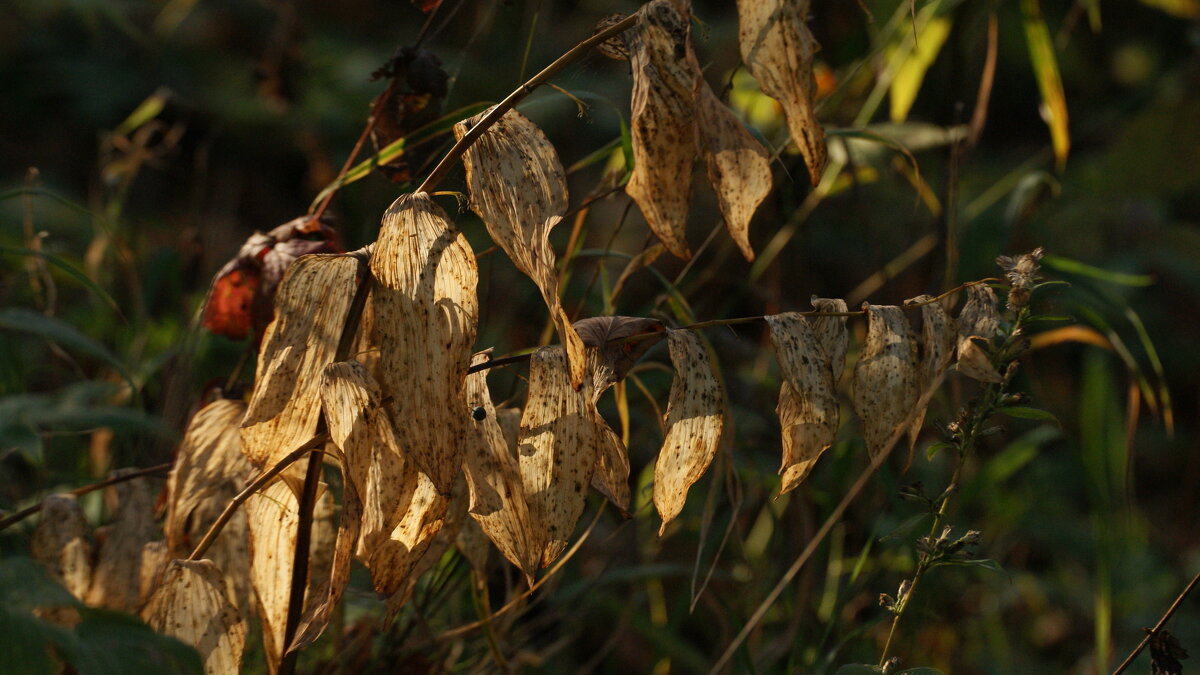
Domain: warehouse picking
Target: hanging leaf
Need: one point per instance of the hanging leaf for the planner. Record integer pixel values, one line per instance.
(401, 510)
(617, 46)
(610, 355)
(192, 604)
(497, 496)
(557, 449)
(663, 122)
(156, 555)
(808, 406)
(425, 315)
(311, 308)
(977, 324)
(519, 189)
(695, 417)
(417, 86)
(778, 50)
(938, 336)
(611, 477)
(886, 376)
(119, 552)
(739, 167)
(831, 333)
(61, 543)
(1045, 70)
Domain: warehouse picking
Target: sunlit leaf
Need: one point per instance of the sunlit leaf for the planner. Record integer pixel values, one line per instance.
(886, 376)
(192, 604)
(1045, 69)
(808, 406)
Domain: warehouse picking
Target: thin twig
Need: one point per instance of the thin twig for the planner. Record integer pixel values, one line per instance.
(443, 167)
(300, 558)
(1157, 627)
(14, 518)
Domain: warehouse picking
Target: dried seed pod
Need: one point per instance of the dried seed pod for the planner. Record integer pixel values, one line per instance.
(885, 377)
(662, 122)
(778, 50)
(695, 418)
(808, 407)
(425, 316)
(192, 604)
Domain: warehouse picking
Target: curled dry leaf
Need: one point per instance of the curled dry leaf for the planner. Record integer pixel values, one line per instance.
(242, 292)
(155, 556)
(886, 376)
(695, 418)
(559, 441)
(616, 46)
(497, 495)
(192, 604)
(611, 476)
(401, 510)
(417, 85)
(519, 188)
(808, 407)
(610, 355)
(119, 553)
(739, 167)
(425, 315)
(311, 308)
(937, 343)
(978, 322)
(662, 122)
(778, 50)
(831, 333)
(61, 543)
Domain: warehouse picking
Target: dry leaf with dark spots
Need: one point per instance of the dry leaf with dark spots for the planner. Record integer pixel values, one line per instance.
(978, 322)
(662, 122)
(519, 188)
(61, 543)
(311, 308)
(695, 418)
(155, 556)
(886, 376)
(192, 604)
(739, 167)
(616, 46)
(119, 552)
(425, 315)
(611, 476)
(831, 333)
(937, 342)
(808, 406)
(778, 50)
(417, 85)
(209, 471)
(497, 495)
(557, 450)
(610, 354)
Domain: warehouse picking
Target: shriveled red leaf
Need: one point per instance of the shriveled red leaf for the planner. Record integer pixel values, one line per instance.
(886, 376)
(808, 406)
(192, 604)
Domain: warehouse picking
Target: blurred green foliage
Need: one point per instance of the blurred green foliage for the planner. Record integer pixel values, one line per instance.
(163, 133)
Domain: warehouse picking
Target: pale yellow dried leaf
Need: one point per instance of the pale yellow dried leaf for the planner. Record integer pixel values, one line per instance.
(695, 417)
(119, 554)
(61, 543)
(557, 449)
(497, 495)
(808, 406)
(937, 342)
(611, 476)
(510, 424)
(192, 604)
(832, 334)
(886, 378)
(438, 543)
(310, 310)
(778, 50)
(739, 167)
(155, 557)
(662, 122)
(978, 322)
(519, 188)
(474, 545)
(425, 316)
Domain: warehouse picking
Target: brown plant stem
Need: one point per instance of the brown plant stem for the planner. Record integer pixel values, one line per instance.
(17, 516)
(300, 558)
(443, 167)
(1158, 626)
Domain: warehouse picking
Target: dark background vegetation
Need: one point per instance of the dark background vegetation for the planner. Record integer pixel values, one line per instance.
(1094, 522)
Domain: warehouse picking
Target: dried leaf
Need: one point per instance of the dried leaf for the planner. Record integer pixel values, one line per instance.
(978, 322)
(739, 167)
(61, 544)
(311, 308)
(192, 604)
(886, 376)
(417, 86)
(472, 543)
(155, 557)
(401, 510)
(425, 315)
(119, 553)
(662, 122)
(778, 50)
(808, 406)
(497, 495)
(611, 476)
(695, 418)
(616, 46)
(607, 362)
(519, 189)
(557, 449)
(831, 332)
(937, 342)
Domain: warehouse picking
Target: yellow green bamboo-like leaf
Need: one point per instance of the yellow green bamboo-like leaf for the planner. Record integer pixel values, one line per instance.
(931, 35)
(1045, 69)
(1184, 9)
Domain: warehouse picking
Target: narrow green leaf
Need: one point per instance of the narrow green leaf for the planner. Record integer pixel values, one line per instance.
(1045, 69)
(985, 563)
(146, 111)
(70, 271)
(935, 448)
(1060, 264)
(56, 330)
(1027, 413)
(910, 73)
